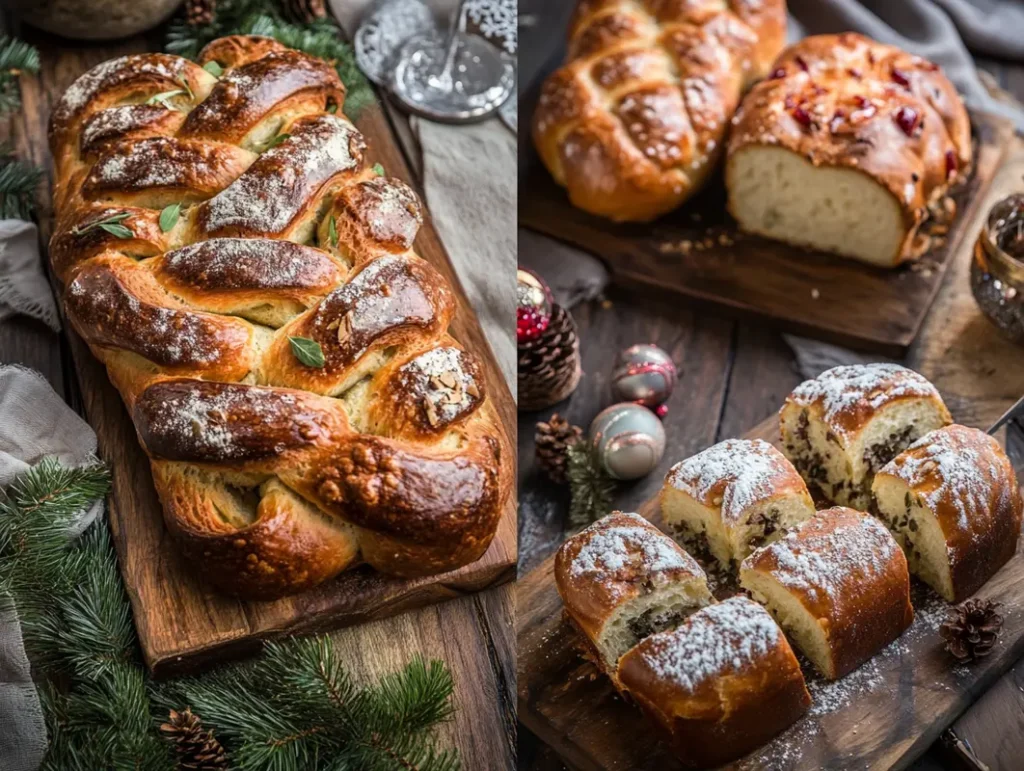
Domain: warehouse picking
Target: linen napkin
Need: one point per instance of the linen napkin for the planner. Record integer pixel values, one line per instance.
(23, 285)
(35, 423)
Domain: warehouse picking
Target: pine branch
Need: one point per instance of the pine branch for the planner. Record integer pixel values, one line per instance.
(592, 489)
(320, 38)
(16, 57)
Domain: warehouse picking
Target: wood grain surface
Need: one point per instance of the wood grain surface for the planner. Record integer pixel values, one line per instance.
(472, 634)
(809, 293)
(881, 716)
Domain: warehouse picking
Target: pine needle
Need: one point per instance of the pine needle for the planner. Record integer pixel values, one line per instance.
(591, 488)
(18, 184)
(16, 57)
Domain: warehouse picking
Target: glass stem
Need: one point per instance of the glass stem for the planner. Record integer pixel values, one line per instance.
(457, 25)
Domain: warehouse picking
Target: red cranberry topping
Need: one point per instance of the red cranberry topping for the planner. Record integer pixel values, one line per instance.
(853, 72)
(900, 77)
(778, 73)
(790, 101)
(907, 119)
(800, 62)
(860, 100)
(951, 164)
(801, 116)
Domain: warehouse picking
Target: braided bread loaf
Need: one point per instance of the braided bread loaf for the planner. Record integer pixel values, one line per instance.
(845, 147)
(274, 474)
(634, 123)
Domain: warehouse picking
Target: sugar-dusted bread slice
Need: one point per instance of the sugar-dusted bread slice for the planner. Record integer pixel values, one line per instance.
(838, 585)
(841, 427)
(732, 498)
(845, 147)
(621, 580)
(953, 502)
(720, 685)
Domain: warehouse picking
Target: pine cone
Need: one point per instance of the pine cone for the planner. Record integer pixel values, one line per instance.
(198, 750)
(552, 441)
(972, 629)
(549, 367)
(305, 11)
(199, 13)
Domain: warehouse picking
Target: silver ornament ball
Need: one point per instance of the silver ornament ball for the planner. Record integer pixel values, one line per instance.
(628, 440)
(644, 374)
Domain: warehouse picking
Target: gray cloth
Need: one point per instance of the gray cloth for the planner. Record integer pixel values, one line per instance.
(23, 285)
(34, 423)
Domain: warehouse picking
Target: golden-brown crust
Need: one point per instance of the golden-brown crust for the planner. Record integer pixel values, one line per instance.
(847, 397)
(847, 101)
(718, 686)
(275, 474)
(849, 573)
(634, 122)
(963, 476)
(615, 560)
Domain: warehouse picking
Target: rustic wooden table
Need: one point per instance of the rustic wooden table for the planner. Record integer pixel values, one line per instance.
(733, 376)
(474, 635)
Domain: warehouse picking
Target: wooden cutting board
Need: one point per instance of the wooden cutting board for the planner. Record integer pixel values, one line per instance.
(182, 623)
(698, 253)
(880, 716)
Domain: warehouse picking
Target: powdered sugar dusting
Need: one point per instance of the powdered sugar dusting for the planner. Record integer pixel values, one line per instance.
(952, 464)
(243, 263)
(135, 66)
(730, 635)
(272, 192)
(847, 387)
(608, 550)
(443, 378)
(820, 559)
(748, 466)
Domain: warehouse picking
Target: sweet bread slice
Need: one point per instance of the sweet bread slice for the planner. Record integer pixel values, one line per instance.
(953, 502)
(838, 585)
(621, 580)
(720, 685)
(841, 427)
(732, 498)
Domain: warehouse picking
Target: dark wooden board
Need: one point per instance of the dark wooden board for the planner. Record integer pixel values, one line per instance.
(882, 716)
(809, 293)
(182, 623)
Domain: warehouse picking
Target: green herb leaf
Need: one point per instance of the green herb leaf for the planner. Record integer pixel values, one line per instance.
(214, 69)
(308, 351)
(332, 231)
(332, 108)
(379, 169)
(117, 230)
(169, 217)
(163, 96)
(103, 223)
(278, 140)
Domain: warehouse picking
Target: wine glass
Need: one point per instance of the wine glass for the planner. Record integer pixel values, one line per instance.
(454, 78)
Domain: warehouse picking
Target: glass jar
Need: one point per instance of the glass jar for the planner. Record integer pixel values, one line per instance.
(997, 268)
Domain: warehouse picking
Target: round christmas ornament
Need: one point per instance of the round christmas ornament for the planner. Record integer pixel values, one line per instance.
(644, 374)
(628, 440)
(549, 355)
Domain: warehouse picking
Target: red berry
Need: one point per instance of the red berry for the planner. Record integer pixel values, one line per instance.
(801, 116)
(529, 325)
(860, 100)
(661, 410)
(853, 72)
(951, 164)
(907, 119)
(901, 77)
(800, 62)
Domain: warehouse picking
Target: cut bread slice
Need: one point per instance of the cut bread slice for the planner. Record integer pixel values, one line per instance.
(838, 586)
(622, 580)
(840, 428)
(777, 193)
(732, 498)
(953, 503)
